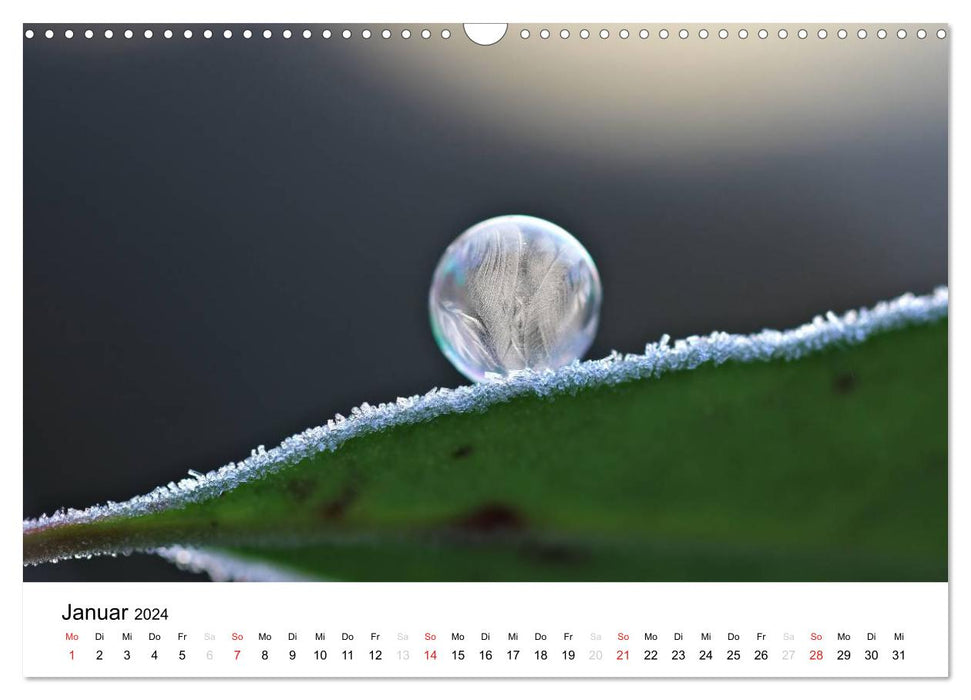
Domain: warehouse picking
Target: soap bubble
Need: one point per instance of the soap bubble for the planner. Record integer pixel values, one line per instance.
(514, 292)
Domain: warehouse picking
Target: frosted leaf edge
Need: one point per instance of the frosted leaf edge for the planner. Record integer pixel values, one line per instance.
(659, 358)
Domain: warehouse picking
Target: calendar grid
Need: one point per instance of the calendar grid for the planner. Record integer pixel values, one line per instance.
(486, 630)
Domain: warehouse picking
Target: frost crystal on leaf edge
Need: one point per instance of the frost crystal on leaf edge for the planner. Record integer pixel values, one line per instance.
(222, 566)
(658, 358)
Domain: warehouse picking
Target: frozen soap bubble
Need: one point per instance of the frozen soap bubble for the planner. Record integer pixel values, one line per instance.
(514, 292)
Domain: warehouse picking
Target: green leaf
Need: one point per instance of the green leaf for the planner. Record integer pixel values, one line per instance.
(831, 467)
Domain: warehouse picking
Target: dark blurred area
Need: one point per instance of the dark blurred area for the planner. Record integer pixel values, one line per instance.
(226, 242)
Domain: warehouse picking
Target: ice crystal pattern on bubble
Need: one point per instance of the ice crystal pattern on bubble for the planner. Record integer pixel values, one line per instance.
(513, 293)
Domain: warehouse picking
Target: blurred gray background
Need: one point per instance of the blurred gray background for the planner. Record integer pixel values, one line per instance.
(228, 241)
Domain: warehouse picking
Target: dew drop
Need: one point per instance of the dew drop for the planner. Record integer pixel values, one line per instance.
(512, 293)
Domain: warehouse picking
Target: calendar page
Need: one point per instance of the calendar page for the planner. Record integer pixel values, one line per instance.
(613, 350)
